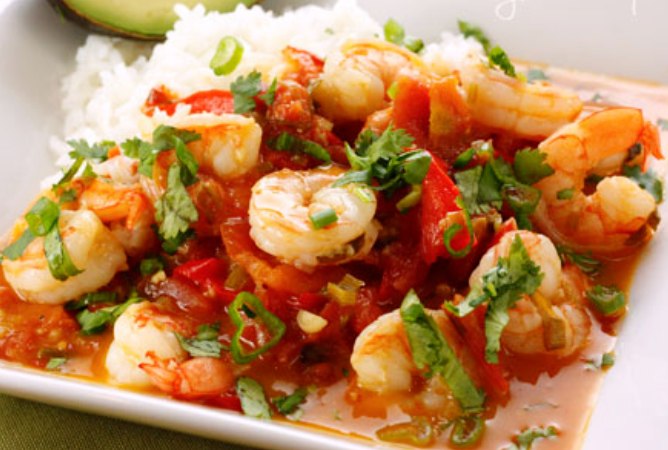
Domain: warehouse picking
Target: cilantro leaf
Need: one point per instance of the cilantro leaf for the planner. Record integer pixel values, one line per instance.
(527, 437)
(383, 158)
(476, 33)
(253, 400)
(395, 34)
(530, 166)
(143, 151)
(649, 180)
(287, 404)
(97, 152)
(244, 90)
(91, 298)
(585, 262)
(287, 142)
(58, 259)
(175, 210)
(499, 58)
(93, 322)
(205, 344)
(149, 266)
(502, 286)
(55, 363)
(269, 96)
(432, 353)
(165, 136)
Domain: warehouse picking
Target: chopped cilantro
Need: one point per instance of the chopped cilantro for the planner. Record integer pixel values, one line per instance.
(607, 360)
(269, 96)
(499, 58)
(585, 262)
(501, 287)
(476, 33)
(395, 33)
(97, 152)
(205, 344)
(287, 404)
(253, 400)
(67, 196)
(244, 90)
(93, 322)
(648, 180)
(91, 298)
(525, 440)
(383, 158)
(433, 354)
(530, 166)
(464, 158)
(287, 142)
(175, 210)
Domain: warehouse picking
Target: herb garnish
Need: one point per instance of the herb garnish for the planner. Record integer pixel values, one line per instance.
(608, 300)
(93, 322)
(432, 353)
(205, 343)
(526, 438)
(253, 400)
(497, 56)
(287, 142)
(648, 180)
(245, 89)
(584, 261)
(501, 287)
(395, 33)
(536, 75)
(287, 404)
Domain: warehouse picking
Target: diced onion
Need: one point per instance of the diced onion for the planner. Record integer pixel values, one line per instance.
(345, 291)
(310, 323)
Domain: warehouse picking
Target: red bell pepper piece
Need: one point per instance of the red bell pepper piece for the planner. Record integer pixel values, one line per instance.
(207, 274)
(439, 195)
(214, 101)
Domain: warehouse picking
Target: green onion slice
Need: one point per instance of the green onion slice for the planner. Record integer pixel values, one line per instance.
(227, 57)
(276, 327)
(467, 431)
(323, 218)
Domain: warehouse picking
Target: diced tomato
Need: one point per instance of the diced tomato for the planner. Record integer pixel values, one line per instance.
(213, 101)
(494, 381)
(229, 400)
(209, 275)
(302, 65)
(411, 107)
(403, 268)
(310, 301)
(439, 193)
(505, 228)
(449, 116)
(366, 308)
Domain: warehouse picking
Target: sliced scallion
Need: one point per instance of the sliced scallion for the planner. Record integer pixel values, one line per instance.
(321, 219)
(227, 57)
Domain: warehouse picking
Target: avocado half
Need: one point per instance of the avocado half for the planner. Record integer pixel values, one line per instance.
(139, 19)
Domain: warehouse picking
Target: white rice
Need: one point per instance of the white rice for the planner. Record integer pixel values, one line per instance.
(102, 98)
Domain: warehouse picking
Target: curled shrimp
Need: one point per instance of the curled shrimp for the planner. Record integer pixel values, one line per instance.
(532, 110)
(354, 81)
(229, 144)
(605, 221)
(91, 247)
(280, 211)
(142, 334)
(195, 379)
(553, 321)
(116, 196)
(383, 362)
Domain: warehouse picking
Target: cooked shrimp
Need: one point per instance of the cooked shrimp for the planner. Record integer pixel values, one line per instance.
(383, 362)
(280, 208)
(553, 321)
(532, 110)
(604, 221)
(125, 209)
(142, 334)
(230, 143)
(196, 378)
(354, 81)
(91, 247)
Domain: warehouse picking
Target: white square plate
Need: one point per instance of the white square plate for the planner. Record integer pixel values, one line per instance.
(620, 37)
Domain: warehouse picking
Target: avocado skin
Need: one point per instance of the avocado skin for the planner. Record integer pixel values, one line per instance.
(98, 25)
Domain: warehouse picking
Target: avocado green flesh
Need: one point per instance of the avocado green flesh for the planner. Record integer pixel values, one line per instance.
(148, 19)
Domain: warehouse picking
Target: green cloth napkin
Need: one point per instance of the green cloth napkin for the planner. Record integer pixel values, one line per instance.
(26, 425)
